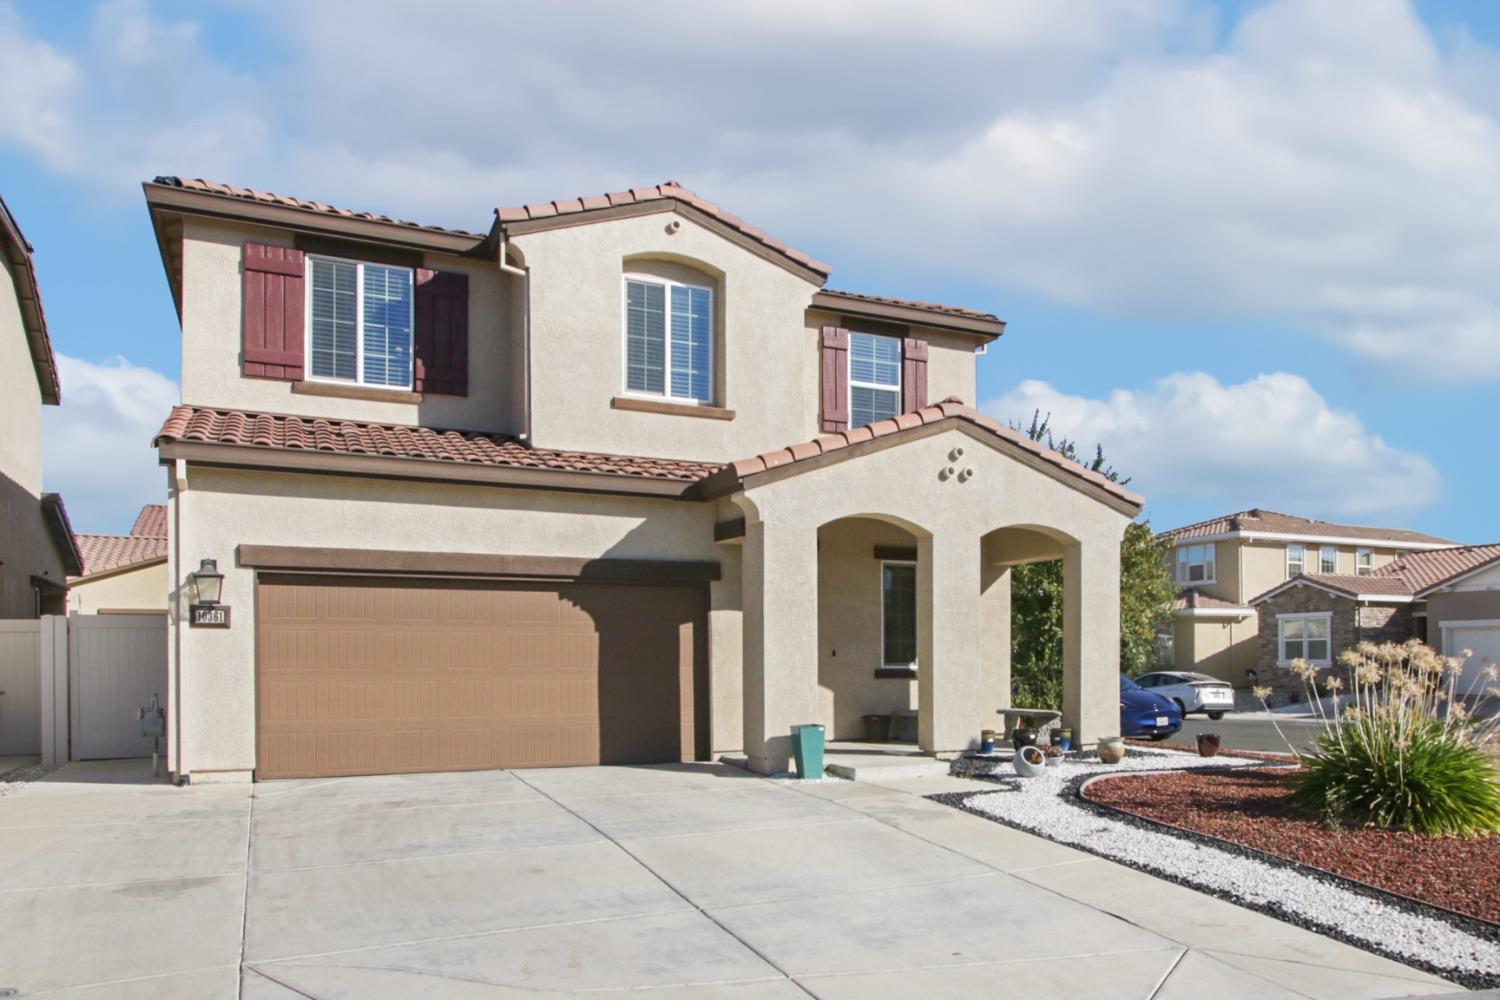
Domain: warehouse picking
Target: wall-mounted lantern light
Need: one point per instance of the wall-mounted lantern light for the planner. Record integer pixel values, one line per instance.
(208, 582)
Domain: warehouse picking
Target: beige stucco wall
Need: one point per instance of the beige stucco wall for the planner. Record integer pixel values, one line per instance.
(1222, 648)
(25, 548)
(1479, 603)
(143, 589)
(903, 483)
(222, 509)
(850, 642)
(1247, 568)
(212, 320)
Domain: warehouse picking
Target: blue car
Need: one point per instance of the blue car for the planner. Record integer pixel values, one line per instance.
(1144, 713)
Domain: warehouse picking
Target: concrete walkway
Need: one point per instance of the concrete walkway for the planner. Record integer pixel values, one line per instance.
(695, 881)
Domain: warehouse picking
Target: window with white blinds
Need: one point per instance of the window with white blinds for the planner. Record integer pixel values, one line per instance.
(669, 339)
(874, 378)
(360, 320)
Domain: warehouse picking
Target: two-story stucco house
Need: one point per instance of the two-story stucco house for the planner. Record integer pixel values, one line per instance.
(37, 552)
(616, 480)
(124, 574)
(1223, 563)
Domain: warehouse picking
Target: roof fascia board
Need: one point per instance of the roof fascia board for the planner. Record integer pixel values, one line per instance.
(985, 331)
(1281, 536)
(657, 206)
(165, 198)
(117, 570)
(391, 467)
(1213, 612)
(1302, 581)
(29, 298)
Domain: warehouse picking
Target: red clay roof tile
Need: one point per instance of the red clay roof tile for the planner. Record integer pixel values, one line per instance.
(1260, 519)
(103, 553)
(912, 304)
(151, 521)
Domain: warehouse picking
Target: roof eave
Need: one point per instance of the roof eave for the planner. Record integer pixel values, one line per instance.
(417, 469)
(981, 330)
(29, 296)
(61, 531)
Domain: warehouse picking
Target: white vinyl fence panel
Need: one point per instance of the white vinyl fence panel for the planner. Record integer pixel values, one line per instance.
(20, 688)
(116, 663)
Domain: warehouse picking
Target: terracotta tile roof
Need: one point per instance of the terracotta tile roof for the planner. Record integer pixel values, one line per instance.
(1425, 570)
(151, 521)
(667, 189)
(1192, 599)
(1260, 519)
(17, 254)
(958, 311)
(286, 201)
(103, 553)
(950, 408)
(315, 434)
(1412, 576)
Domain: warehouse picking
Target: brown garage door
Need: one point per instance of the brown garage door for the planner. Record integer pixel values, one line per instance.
(375, 675)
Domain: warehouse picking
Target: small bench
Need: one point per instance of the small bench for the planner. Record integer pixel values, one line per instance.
(1040, 717)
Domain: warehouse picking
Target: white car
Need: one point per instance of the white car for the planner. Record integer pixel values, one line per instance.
(1192, 692)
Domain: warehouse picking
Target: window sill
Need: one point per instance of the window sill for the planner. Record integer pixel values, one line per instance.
(673, 409)
(896, 673)
(367, 392)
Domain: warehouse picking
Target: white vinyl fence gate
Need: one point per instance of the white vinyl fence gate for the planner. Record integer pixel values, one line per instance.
(73, 686)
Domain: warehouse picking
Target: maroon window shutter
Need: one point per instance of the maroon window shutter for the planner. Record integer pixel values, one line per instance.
(441, 363)
(275, 312)
(913, 374)
(835, 379)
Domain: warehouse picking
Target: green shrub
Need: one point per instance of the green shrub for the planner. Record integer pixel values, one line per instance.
(1421, 778)
(1401, 750)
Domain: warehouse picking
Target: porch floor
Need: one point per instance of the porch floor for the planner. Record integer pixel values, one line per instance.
(858, 761)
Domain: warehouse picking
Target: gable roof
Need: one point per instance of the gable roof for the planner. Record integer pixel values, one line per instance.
(665, 197)
(151, 522)
(290, 442)
(742, 474)
(17, 253)
(1191, 599)
(111, 553)
(1261, 522)
(1411, 577)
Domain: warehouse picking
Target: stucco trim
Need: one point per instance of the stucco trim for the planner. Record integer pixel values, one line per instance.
(293, 558)
(1303, 581)
(369, 393)
(1282, 536)
(1233, 614)
(117, 571)
(701, 411)
(392, 467)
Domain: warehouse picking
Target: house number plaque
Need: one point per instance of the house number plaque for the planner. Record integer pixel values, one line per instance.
(209, 616)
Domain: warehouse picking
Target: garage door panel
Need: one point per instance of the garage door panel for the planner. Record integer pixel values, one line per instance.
(451, 675)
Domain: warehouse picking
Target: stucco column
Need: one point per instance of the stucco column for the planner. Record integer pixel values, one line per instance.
(995, 638)
(726, 646)
(1091, 640)
(780, 620)
(950, 688)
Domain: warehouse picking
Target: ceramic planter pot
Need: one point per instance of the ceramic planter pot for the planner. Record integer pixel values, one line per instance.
(1208, 744)
(1062, 738)
(1029, 762)
(1112, 749)
(1023, 738)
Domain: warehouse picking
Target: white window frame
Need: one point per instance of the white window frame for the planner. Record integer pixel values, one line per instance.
(1364, 562)
(666, 381)
(1324, 552)
(898, 388)
(1184, 565)
(881, 638)
(359, 326)
(1301, 562)
(1304, 617)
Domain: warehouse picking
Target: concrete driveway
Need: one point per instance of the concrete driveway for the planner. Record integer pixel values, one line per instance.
(692, 881)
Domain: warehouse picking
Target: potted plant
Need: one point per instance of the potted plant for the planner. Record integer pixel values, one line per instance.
(1024, 735)
(1208, 744)
(1112, 749)
(1062, 737)
(1029, 761)
(1054, 754)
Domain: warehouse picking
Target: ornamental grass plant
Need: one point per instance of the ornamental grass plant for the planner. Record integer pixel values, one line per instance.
(1402, 746)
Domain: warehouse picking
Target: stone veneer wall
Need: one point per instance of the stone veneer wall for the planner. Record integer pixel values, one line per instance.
(1352, 624)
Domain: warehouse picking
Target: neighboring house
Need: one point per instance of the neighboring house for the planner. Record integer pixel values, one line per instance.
(617, 480)
(1224, 562)
(124, 574)
(1449, 598)
(36, 544)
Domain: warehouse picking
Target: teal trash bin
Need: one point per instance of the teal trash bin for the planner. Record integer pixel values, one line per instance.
(807, 748)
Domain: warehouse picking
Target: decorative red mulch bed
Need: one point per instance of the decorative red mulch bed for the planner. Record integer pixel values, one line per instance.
(1253, 807)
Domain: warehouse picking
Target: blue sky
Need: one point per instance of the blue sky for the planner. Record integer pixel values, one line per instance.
(1250, 247)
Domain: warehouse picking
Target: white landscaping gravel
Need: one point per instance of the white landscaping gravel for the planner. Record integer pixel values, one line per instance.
(1048, 806)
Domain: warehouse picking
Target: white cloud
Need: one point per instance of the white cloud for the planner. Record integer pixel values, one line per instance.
(1327, 171)
(96, 446)
(1272, 441)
